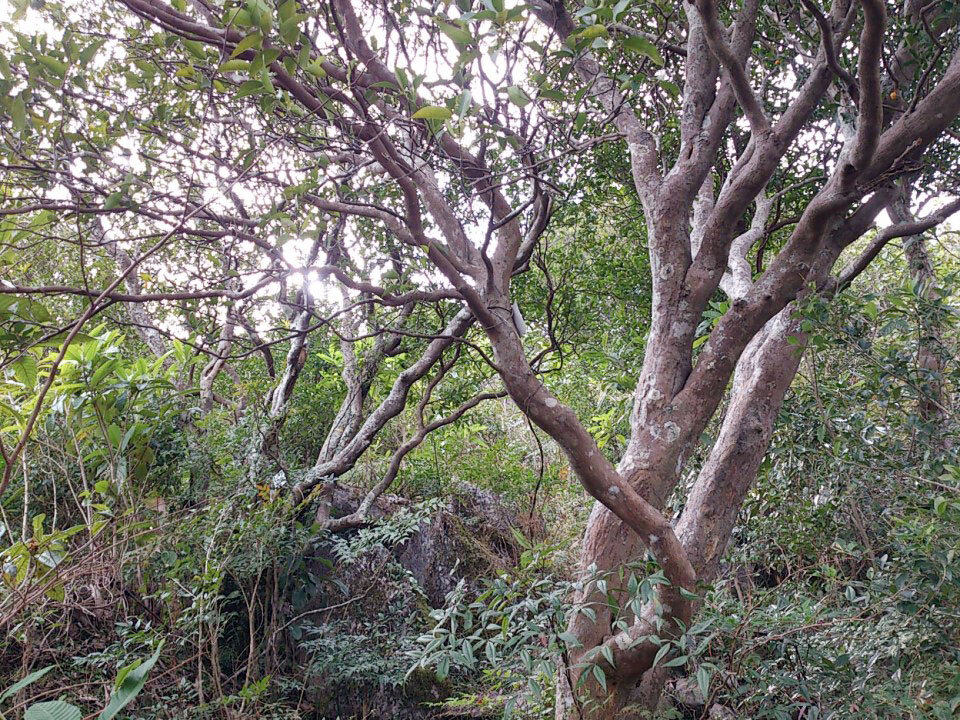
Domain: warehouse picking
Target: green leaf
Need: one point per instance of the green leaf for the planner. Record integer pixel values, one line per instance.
(607, 653)
(114, 435)
(250, 87)
(126, 670)
(290, 29)
(57, 67)
(113, 200)
(293, 191)
(56, 593)
(53, 710)
(130, 681)
(235, 66)
(37, 523)
(703, 680)
(21, 684)
(39, 313)
(70, 532)
(463, 103)
(644, 47)
(517, 96)
(58, 339)
(432, 112)
(287, 9)
(593, 32)
(18, 113)
(601, 676)
(195, 48)
(25, 371)
(267, 83)
(315, 68)
(86, 55)
(670, 87)
(250, 41)
(660, 655)
(443, 668)
(619, 9)
(458, 35)
(676, 662)
(239, 17)
(265, 13)
(267, 57)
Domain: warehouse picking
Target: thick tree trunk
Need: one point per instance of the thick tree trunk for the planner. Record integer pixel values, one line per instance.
(763, 376)
(760, 384)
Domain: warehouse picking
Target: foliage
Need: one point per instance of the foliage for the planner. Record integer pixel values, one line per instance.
(173, 209)
(130, 681)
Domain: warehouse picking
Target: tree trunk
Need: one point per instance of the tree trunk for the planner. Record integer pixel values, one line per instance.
(934, 402)
(763, 375)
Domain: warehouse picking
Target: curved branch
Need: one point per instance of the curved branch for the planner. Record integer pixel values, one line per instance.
(391, 406)
(715, 34)
(905, 229)
(359, 516)
(870, 115)
(830, 50)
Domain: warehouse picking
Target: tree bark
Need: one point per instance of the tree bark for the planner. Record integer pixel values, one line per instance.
(763, 376)
(933, 406)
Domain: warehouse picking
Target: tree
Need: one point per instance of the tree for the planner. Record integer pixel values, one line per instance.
(426, 148)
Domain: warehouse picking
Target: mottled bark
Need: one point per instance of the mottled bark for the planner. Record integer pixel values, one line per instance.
(266, 447)
(358, 375)
(218, 362)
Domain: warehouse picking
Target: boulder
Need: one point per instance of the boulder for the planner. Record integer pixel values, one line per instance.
(376, 588)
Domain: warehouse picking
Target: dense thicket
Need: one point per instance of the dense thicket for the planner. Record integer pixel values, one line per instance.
(320, 322)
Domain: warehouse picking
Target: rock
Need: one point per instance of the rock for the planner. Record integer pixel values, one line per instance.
(687, 692)
(471, 537)
(372, 603)
(721, 712)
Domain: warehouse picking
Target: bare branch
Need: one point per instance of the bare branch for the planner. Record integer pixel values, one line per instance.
(884, 236)
(870, 116)
(829, 49)
(715, 34)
